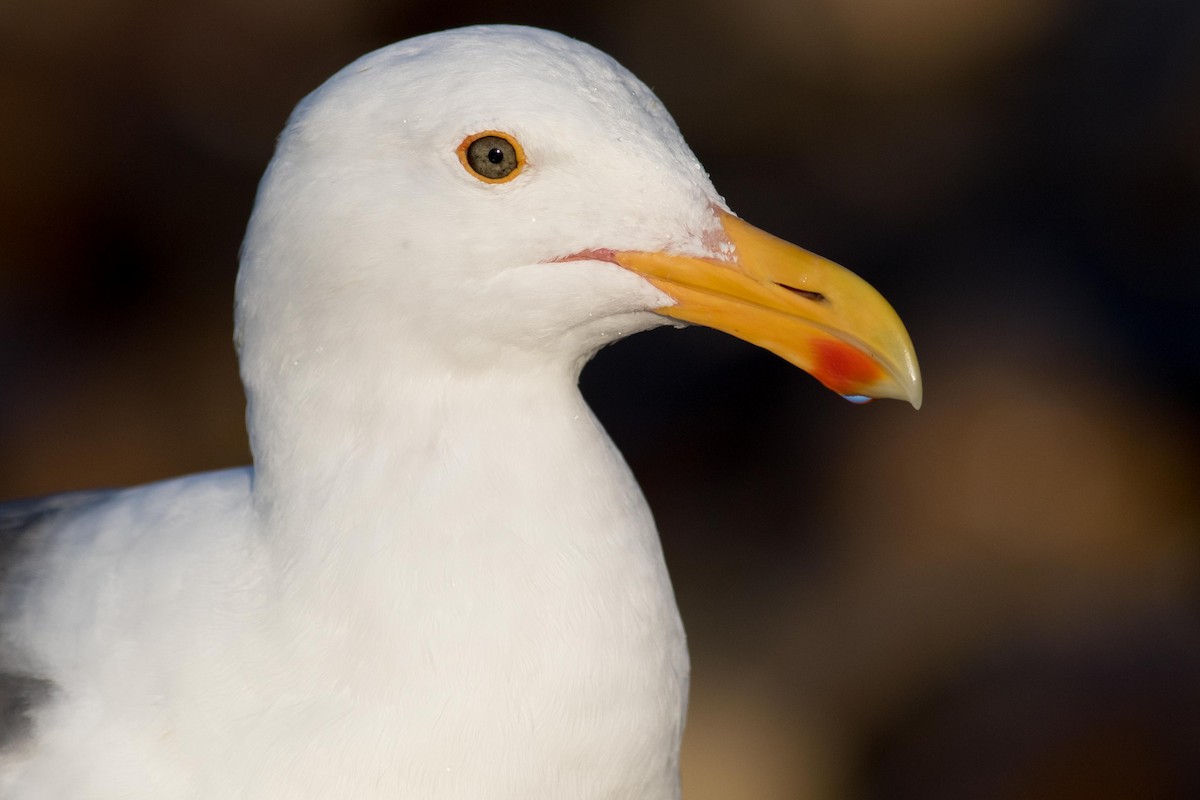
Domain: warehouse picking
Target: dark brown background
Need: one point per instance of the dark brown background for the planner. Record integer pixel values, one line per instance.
(995, 597)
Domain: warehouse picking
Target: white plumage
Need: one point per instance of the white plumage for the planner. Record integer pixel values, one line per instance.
(439, 579)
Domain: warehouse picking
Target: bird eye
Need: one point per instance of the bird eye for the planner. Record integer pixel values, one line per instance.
(492, 156)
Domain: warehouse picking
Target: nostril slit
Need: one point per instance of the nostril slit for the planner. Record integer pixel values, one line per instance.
(815, 296)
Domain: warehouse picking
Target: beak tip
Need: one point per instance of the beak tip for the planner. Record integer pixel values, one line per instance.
(916, 385)
(914, 388)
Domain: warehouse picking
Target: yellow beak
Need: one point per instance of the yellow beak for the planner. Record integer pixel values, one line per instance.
(819, 316)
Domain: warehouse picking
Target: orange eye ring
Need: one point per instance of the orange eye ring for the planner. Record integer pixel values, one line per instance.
(492, 156)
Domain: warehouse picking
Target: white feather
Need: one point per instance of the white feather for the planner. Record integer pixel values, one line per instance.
(439, 579)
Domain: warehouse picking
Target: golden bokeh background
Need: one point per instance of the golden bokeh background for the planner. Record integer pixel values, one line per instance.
(996, 597)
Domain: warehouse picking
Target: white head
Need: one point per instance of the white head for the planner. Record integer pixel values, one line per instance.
(370, 229)
(376, 246)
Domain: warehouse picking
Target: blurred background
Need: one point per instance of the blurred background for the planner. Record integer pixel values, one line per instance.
(996, 597)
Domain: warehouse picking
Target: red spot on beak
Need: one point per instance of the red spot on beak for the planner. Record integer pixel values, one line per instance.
(842, 368)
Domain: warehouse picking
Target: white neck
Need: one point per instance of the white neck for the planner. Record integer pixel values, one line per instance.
(471, 549)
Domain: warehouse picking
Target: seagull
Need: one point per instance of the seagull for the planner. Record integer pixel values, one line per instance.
(439, 578)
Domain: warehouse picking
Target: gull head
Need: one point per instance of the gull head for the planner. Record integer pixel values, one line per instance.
(506, 197)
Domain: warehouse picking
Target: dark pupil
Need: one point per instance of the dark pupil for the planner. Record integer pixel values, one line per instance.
(493, 157)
